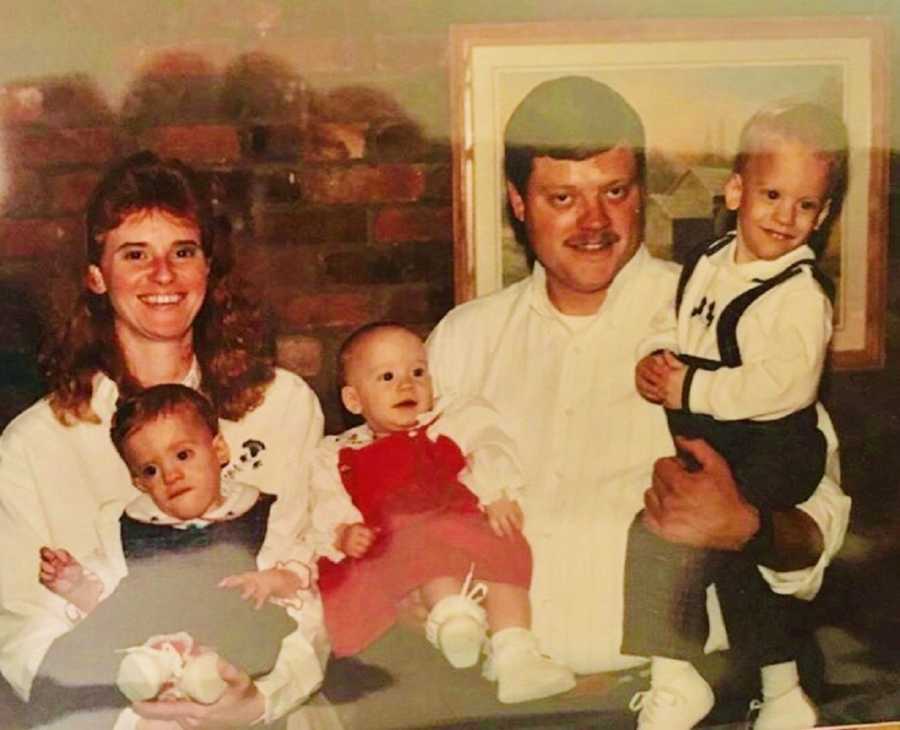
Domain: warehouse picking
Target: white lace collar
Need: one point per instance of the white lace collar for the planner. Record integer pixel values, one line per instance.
(237, 499)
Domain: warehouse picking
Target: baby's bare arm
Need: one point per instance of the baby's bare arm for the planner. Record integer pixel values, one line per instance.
(64, 575)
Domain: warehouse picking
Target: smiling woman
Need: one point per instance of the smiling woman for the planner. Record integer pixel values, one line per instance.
(160, 305)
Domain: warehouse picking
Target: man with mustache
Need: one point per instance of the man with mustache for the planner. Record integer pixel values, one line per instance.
(555, 354)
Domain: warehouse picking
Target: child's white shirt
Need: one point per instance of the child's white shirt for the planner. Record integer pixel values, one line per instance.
(783, 337)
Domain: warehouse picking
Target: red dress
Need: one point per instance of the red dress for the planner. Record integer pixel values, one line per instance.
(428, 525)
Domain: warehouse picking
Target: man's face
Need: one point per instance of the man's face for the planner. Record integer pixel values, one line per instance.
(582, 220)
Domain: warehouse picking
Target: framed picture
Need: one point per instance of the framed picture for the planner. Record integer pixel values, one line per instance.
(694, 83)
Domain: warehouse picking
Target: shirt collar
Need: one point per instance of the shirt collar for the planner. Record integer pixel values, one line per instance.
(619, 296)
(237, 499)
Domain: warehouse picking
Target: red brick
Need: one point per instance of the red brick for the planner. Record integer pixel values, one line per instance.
(24, 194)
(364, 184)
(93, 146)
(71, 101)
(336, 141)
(69, 193)
(300, 354)
(303, 226)
(201, 143)
(410, 52)
(321, 309)
(36, 237)
(412, 303)
(414, 224)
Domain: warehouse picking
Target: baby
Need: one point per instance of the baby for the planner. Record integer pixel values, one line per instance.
(737, 362)
(169, 437)
(423, 496)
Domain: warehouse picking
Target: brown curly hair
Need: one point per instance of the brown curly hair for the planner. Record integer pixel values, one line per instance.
(231, 340)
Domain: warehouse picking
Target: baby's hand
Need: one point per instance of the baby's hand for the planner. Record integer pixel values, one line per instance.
(260, 585)
(63, 575)
(355, 540)
(505, 516)
(650, 375)
(674, 381)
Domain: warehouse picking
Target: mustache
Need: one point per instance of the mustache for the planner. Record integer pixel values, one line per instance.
(605, 237)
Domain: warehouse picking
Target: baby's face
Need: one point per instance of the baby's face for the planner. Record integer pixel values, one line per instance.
(177, 460)
(388, 381)
(781, 198)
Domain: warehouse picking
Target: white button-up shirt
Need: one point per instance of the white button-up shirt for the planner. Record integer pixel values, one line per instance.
(564, 387)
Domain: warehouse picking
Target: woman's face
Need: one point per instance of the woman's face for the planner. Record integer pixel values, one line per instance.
(154, 271)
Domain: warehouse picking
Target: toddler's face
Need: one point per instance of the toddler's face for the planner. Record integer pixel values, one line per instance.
(177, 460)
(781, 198)
(388, 381)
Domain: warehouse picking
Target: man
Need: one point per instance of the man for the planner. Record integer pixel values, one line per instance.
(555, 353)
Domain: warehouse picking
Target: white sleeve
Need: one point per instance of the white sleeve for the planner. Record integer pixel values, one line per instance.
(331, 505)
(783, 347)
(829, 507)
(663, 332)
(31, 617)
(493, 466)
(289, 517)
(298, 669)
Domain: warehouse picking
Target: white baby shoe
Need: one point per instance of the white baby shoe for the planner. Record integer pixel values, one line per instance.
(522, 673)
(457, 624)
(170, 662)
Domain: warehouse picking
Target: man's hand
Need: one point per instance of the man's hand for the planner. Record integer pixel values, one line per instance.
(701, 508)
(240, 705)
(260, 585)
(354, 540)
(650, 377)
(505, 517)
(64, 575)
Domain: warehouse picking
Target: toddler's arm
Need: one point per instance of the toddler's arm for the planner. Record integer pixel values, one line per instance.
(281, 582)
(63, 575)
(783, 340)
(656, 378)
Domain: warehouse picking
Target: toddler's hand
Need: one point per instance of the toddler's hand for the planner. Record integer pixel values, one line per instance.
(63, 575)
(505, 516)
(674, 381)
(355, 540)
(650, 375)
(260, 585)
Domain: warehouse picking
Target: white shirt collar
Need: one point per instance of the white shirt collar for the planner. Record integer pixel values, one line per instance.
(615, 308)
(237, 499)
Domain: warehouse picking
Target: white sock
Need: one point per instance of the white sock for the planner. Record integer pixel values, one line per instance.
(777, 679)
(663, 669)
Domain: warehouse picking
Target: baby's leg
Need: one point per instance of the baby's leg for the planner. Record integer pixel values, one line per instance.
(63, 575)
(508, 606)
(521, 671)
(456, 622)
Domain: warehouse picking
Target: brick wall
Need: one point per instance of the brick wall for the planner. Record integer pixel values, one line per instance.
(340, 206)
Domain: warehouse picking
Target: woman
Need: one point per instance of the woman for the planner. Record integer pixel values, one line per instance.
(159, 306)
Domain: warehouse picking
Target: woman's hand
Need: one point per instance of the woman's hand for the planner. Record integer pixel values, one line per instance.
(240, 705)
(505, 517)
